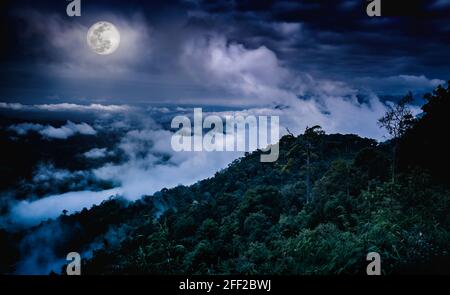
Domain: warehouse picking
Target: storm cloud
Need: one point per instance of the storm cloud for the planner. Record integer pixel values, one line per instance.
(48, 57)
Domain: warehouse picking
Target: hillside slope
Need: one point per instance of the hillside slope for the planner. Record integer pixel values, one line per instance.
(320, 209)
(257, 218)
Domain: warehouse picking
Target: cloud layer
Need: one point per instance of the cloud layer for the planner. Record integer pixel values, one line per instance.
(49, 132)
(64, 107)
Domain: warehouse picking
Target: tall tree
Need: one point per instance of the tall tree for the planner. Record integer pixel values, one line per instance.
(311, 135)
(304, 147)
(397, 120)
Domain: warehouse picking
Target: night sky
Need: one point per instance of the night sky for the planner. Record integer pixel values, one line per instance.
(220, 52)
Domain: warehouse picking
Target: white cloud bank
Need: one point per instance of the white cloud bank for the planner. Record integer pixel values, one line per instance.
(65, 107)
(68, 130)
(31, 213)
(144, 173)
(255, 74)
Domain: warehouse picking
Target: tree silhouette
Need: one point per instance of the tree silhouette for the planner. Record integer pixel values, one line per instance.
(312, 134)
(425, 145)
(397, 120)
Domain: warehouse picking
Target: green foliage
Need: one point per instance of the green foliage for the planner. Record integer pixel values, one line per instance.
(255, 218)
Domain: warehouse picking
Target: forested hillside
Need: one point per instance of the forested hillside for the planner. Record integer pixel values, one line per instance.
(327, 202)
(320, 209)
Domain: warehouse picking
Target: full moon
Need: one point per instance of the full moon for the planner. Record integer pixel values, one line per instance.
(103, 38)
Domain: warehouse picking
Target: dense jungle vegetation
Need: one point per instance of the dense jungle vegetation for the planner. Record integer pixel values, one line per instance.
(327, 202)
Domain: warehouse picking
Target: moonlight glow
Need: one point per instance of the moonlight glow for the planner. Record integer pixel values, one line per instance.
(103, 38)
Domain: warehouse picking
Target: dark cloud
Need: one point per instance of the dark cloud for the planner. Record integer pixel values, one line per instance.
(45, 54)
(338, 36)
